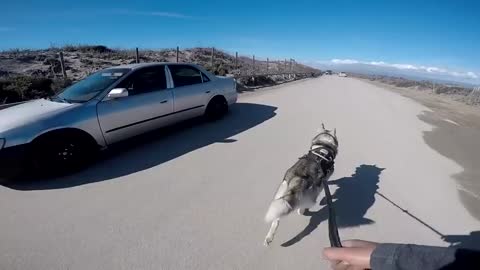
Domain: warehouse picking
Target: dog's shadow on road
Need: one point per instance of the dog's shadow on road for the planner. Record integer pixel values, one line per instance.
(146, 151)
(352, 199)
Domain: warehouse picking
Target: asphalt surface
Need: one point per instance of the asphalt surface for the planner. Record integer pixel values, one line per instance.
(194, 197)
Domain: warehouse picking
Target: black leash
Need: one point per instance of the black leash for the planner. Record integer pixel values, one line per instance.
(332, 221)
(327, 165)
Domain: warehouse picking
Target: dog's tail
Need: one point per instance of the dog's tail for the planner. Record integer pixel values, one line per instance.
(278, 208)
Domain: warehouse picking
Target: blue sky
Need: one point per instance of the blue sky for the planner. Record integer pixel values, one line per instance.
(432, 34)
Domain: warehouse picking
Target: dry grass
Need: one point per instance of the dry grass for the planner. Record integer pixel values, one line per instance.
(455, 92)
(21, 71)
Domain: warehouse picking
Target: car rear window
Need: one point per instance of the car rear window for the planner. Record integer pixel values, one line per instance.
(183, 75)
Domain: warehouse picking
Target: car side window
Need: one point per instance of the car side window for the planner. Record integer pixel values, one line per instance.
(205, 78)
(145, 80)
(183, 75)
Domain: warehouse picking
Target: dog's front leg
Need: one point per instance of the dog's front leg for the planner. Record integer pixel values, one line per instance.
(271, 232)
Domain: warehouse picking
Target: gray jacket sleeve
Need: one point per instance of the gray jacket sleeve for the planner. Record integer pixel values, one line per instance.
(413, 257)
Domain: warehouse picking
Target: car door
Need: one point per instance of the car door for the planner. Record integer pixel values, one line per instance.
(149, 105)
(191, 90)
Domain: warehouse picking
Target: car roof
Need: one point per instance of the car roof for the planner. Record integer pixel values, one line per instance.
(141, 65)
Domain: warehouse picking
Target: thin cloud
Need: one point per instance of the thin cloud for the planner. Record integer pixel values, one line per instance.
(345, 61)
(405, 66)
(432, 70)
(6, 29)
(165, 14)
(466, 75)
(435, 69)
(472, 75)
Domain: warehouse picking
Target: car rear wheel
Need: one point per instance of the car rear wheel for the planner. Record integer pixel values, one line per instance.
(62, 154)
(216, 108)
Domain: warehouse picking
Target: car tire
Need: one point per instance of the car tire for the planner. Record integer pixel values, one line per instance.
(62, 153)
(216, 108)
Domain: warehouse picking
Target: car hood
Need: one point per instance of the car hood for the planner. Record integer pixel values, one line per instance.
(29, 112)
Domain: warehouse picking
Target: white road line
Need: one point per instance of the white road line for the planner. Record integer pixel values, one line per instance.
(451, 122)
(468, 191)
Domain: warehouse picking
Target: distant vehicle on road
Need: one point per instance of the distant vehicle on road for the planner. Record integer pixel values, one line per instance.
(328, 72)
(342, 74)
(111, 105)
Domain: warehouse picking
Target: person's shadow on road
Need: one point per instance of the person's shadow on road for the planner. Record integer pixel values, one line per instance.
(352, 199)
(464, 256)
(470, 241)
(149, 150)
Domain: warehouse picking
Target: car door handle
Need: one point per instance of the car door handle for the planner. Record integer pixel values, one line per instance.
(208, 91)
(164, 101)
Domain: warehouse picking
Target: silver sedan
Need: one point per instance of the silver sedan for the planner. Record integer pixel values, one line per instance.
(108, 106)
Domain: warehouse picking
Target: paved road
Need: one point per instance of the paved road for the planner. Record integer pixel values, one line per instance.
(195, 197)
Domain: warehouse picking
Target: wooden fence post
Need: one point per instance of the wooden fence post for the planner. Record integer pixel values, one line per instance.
(236, 60)
(294, 69)
(253, 60)
(137, 58)
(267, 64)
(177, 54)
(62, 65)
(213, 56)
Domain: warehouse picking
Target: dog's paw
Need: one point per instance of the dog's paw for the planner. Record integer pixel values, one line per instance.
(267, 241)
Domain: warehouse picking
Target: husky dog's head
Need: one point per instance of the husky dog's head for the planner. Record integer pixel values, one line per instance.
(326, 138)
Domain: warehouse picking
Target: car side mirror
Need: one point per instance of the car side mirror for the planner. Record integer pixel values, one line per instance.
(117, 93)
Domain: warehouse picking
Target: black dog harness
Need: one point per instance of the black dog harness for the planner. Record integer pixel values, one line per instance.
(327, 156)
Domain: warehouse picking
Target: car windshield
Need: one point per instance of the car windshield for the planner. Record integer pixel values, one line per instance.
(91, 86)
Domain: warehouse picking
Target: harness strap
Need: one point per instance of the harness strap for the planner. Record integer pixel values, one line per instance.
(318, 155)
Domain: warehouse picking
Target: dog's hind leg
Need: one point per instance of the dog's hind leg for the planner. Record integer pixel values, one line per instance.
(271, 232)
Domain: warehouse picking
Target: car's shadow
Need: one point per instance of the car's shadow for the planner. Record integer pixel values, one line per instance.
(146, 151)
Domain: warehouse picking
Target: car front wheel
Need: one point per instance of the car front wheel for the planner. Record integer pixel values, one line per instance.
(61, 154)
(216, 108)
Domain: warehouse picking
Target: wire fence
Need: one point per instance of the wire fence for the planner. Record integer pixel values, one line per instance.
(474, 96)
(217, 61)
(69, 64)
